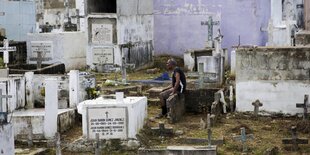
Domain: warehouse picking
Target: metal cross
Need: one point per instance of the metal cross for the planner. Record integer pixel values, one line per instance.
(256, 105)
(6, 49)
(305, 106)
(3, 115)
(294, 140)
(243, 138)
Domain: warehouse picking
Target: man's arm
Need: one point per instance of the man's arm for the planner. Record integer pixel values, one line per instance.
(177, 83)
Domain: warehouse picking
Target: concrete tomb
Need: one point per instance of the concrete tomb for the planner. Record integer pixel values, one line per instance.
(274, 76)
(113, 119)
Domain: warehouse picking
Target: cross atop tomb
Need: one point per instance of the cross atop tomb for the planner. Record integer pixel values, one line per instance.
(6, 49)
(305, 106)
(210, 24)
(256, 105)
(243, 138)
(78, 17)
(3, 115)
(294, 140)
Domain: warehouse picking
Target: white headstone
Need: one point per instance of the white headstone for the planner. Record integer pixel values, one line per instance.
(74, 88)
(109, 122)
(29, 90)
(103, 55)
(51, 108)
(102, 33)
(46, 47)
(111, 119)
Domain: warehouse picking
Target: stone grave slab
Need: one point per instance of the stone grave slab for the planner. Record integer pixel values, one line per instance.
(112, 119)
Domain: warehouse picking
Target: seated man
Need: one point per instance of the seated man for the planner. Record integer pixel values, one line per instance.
(178, 85)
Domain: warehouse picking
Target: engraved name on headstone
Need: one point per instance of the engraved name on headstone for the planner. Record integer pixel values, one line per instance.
(103, 55)
(102, 33)
(109, 122)
(45, 47)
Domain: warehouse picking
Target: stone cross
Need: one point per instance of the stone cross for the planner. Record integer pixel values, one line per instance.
(256, 105)
(3, 115)
(243, 138)
(162, 130)
(78, 17)
(305, 106)
(210, 24)
(294, 140)
(6, 49)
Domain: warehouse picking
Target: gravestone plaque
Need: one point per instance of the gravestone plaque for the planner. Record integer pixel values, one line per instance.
(102, 33)
(46, 47)
(109, 122)
(103, 55)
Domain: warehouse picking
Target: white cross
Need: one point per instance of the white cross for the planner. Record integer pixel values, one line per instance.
(6, 49)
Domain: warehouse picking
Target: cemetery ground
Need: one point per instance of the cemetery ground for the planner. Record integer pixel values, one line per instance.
(268, 129)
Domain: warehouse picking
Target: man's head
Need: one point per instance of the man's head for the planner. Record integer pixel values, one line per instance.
(171, 64)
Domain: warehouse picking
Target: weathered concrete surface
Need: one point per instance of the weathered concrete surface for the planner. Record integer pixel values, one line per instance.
(63, 51)
(7, 139)
(23, 118)
(198, 101)
(177, 22)
(303, 38)
(278, 77)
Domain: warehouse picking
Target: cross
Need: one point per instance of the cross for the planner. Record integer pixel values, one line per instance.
(210, 24)
(256, 105)
(294, 140)
(77, 16)
(3, 115)
(6, 49)
(305, 106)
(209, 130)
(243, 138)
(162, 130)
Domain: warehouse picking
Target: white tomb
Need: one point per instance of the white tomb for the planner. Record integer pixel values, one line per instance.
(7, 139)
(112, 119)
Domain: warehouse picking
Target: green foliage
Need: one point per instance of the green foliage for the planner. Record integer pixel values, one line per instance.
(1, 63)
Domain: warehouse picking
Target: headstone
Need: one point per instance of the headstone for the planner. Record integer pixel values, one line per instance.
(51, 108)
(74, 88)
(305, 106)
(6, 49)
(256, 105)
(102, 33)
(41, 51)
(294, 140)
(243, 138)
(113, 120)
(29, 90)
(161, 130)
(3, 114)
(103, 55)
